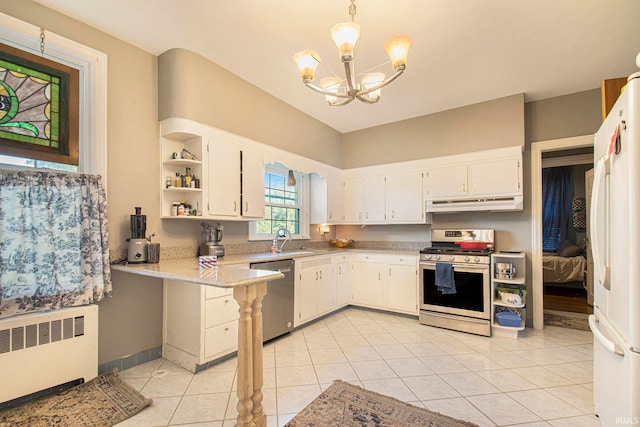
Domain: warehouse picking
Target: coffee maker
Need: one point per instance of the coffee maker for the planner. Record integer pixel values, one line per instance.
(138, 242)
(211, 237)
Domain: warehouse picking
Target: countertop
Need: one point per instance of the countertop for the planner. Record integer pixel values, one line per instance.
(187, 270)
(232, 270)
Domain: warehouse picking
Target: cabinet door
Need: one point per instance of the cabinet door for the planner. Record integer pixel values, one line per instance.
(224, 179)
(342, 283)
(495, 178)
(353, 200)
(326, 288)
(252, 185)
(442, 183)
(308, 308)
(335, 202)
(404, 198)
(373, 202)
(401, 287)
(366, 284)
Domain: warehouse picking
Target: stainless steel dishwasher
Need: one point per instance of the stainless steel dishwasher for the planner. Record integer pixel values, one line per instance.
(277, 305)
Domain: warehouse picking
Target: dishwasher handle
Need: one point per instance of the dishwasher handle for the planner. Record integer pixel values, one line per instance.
(284, 270)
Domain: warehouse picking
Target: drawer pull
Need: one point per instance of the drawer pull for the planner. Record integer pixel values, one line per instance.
(226, 329)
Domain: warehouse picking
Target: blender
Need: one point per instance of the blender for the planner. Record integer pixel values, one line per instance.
(138, 241)
(211, 236)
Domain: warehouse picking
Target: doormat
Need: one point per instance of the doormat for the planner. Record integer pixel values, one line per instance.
(566, 320)
(102, 402)
(347, 405)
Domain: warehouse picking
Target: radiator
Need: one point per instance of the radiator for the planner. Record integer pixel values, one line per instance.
(43, 350)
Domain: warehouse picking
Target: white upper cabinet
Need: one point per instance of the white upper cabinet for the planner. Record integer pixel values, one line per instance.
(224, 179)
(373, 199)
(353, 200)
(483, 181)
(495, 178)
(443, 183)
(335, 203)
(252, 185)
(404, 198)
(326, 199)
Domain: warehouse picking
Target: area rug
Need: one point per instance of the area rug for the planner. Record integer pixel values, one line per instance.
(347, 405)
(104, 401)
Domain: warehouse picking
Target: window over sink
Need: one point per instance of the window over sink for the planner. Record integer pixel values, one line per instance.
(285, 205)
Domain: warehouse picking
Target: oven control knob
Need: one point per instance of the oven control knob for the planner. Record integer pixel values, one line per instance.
(437, 257)
(427, 256)
(451, 257)
(467, 259)
(476, 259)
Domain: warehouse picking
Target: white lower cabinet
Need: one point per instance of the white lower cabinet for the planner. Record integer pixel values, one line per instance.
(315, 288)
(341, 268)
(200, 323)
(365, 280)
(400, 284)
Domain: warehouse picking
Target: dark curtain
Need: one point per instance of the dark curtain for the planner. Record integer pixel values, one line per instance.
(557, 196)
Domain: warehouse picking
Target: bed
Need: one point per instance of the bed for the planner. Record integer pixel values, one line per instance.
(559, 269)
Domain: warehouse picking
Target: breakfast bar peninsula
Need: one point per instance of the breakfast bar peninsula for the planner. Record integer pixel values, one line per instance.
(249, 288)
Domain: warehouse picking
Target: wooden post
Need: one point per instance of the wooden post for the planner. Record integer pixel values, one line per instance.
(245, 295)
(259, 416)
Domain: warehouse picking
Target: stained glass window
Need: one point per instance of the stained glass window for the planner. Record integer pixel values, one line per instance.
(38, 107)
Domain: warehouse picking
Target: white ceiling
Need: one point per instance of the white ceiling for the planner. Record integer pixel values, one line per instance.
(464, 52)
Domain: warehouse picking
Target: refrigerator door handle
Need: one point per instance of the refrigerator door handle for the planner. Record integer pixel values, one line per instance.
(606, 342)
(599, 261)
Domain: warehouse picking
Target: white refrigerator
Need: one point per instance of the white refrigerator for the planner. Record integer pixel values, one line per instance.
(615, 242)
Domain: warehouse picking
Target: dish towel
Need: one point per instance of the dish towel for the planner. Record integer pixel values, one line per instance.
(444, 278)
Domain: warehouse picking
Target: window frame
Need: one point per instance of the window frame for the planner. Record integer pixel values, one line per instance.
(92, 67)
(302, 180)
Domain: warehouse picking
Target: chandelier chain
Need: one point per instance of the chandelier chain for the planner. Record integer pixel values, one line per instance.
(42, 41)
(352, 10)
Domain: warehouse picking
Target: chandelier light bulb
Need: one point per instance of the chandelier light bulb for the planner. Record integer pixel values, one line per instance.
(398, 49)
(371, 80)
(307, 61)
(345, 35)
(331, 85)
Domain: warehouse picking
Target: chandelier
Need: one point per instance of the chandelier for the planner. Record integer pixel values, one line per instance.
(342, 91)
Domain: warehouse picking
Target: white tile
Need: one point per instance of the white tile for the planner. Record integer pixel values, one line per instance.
(380, 339)
(542, 377)
(327, 356)
(370, 370)
(477, 362)
(359, 354)
(502, 409)
(459, 408)
(142, 371)
(409, 367)
(294, 399)
(345, 341)
(582, 421)
(576, 395)
(507, 380)
(173, 385)
(444, 364)
(292, 358)
(430, 387)
(215, 382)
(393, 351)
(295, 375)
(469, 383)
(424, 349)
(157, 414)
(136, 383)
(335, 371)
(201, 408)
(573, 372)
(544, 404)
(393, 387)
(453, 347)
(322, 343)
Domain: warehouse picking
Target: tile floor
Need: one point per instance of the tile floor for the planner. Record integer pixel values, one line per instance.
(543, 378)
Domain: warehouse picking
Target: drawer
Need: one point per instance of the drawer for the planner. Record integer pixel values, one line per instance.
(341, 258)
(213, 292)
(220, 339)
(364, 257)
(220, 310)
(401, 259)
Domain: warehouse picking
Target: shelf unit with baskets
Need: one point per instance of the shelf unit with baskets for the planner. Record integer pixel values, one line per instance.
(509, 291)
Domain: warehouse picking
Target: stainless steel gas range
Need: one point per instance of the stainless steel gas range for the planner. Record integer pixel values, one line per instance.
(455, 283)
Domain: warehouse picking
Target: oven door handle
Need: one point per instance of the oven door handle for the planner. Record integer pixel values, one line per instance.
(462, 268)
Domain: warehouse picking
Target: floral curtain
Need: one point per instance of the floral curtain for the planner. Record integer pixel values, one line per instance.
(54, 246)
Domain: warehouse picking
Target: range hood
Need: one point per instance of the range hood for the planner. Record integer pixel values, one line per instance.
(498, 204)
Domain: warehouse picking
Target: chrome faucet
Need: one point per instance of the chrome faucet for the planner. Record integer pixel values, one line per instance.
(283, 232)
